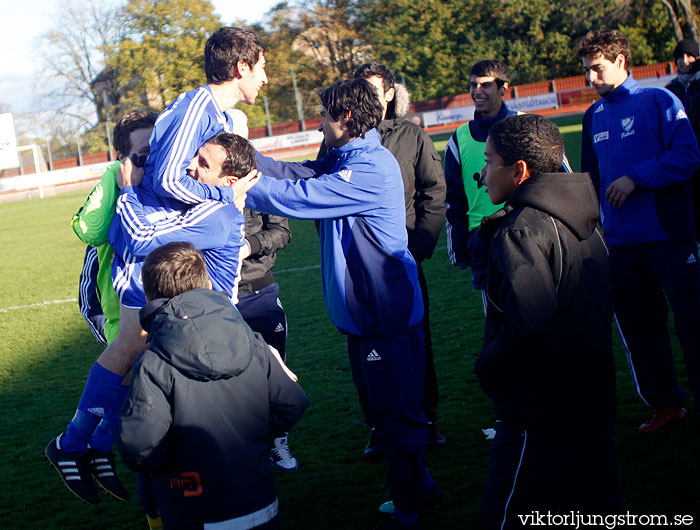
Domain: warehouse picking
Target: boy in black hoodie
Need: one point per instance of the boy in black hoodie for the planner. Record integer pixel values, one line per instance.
(207, 398)
(547, 361)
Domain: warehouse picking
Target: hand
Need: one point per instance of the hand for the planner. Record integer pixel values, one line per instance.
(129, 174)
(241, 187)
(619, 190)
(289, 373)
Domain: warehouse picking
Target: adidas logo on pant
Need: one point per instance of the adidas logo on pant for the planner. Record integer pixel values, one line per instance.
(374, 356)
(691, 259)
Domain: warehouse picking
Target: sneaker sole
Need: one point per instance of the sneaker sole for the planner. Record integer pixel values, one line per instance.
(86, 501)
(119, 498)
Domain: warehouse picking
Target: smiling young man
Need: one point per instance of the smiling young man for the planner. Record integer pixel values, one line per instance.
(640, 150)
(547, 361)
(467, 202)
(370, 279)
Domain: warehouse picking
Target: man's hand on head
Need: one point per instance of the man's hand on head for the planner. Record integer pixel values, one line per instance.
(129, 174)
(619, 190)
(241, 186)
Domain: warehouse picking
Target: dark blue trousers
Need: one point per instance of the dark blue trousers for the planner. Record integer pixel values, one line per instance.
(643, 277)
(263, 312)
(543, 470)
(393, 375)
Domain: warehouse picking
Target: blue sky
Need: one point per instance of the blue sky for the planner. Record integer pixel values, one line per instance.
(22, 21)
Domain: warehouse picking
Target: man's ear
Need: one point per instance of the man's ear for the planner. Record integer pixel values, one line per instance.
(521, 174)
(504, 88)
(211, 287)
(345, 118)
(390, 94)
(229, 180)
(242, 68)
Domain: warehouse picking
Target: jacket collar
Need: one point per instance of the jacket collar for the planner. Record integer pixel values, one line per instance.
(630, 86)
(371, 138)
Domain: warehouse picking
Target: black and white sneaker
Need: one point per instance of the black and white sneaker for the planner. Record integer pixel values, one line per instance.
(281, 455)
(103, 469)
(74, 470)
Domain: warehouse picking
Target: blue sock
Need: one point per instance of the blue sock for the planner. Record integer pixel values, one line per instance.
(100, 394)
(105, 433)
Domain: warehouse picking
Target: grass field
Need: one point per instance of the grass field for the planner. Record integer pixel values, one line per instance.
(46, 350)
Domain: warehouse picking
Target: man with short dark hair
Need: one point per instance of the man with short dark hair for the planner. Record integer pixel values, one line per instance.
(640, 150)
(370, 279)
(547, 361)
(467, 202)
(424, 193)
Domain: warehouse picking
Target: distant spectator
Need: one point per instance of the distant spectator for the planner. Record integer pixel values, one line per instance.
(686, 86)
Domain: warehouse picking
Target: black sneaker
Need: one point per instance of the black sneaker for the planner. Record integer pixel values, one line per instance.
(374, 449)
(74, 470)
(103, 469)
(435, 439)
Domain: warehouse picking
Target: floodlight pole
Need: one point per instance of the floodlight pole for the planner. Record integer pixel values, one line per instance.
(297, 99)
(267, 115)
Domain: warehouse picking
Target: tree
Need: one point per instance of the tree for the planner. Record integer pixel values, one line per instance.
(161, 50)
(682, 16)
(72, 55)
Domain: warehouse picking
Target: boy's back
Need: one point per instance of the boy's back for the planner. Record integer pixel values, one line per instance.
(207, 399)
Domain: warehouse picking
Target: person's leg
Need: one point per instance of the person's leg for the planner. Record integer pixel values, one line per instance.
(677, 267)
(263, 312)
(393, 369)
(94, 426)
(431, 395)
(641, 313)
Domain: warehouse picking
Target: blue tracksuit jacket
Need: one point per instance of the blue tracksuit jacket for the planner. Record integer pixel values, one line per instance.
(370, 280)
(642, 132)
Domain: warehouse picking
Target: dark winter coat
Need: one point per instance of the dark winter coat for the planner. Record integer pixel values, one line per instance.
(266, 234)
(206, 400)
(547, 357)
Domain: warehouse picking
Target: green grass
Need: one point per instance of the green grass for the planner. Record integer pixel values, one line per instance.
(45, 352)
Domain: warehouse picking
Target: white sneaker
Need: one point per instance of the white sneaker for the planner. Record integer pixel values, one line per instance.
(281, 455)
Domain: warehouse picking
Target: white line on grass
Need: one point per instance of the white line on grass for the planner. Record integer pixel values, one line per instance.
(69, 300)
(48, 302)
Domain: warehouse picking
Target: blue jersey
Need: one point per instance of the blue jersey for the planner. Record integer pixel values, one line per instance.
(180, 130)
(370, 280)
(643, 133)
(214, 227)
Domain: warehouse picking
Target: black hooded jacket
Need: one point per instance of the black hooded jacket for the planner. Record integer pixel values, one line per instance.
(206, 400)
(547, 358)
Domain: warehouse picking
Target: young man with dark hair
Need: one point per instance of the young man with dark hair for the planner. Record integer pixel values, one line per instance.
(97, 299)
(467, 202)
(547, 361)
(99, 305)
(179, 132)
(370, 279)
(424, 194)
(215, 226)
(203, 357)
(640, 150)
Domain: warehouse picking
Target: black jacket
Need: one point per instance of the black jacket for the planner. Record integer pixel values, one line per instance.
(266, 234)
(547, 357)
(205, 402)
